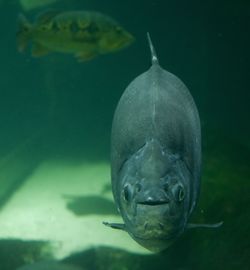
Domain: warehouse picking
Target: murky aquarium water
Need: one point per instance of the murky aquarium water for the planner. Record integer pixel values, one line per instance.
(65, 169)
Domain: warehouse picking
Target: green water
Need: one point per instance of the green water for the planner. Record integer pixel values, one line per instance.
(56, 108)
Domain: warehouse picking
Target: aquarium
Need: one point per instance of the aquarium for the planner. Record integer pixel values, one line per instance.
(72, 159)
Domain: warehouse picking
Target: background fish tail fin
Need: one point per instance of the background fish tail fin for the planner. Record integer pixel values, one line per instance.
(23, 33)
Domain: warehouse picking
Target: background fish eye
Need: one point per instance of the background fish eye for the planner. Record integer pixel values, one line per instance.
(44, 27)
(118, 29)
(25, 29)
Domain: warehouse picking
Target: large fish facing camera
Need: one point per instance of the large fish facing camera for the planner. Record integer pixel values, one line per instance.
(156, 158)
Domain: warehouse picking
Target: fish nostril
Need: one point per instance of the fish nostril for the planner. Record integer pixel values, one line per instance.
(137, 187)
(166, 199)
(166, 187)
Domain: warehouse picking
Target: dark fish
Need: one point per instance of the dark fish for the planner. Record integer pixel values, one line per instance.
(86, 34)
(156, 158)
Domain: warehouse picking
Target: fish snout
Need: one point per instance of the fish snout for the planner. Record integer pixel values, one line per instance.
(152, 197)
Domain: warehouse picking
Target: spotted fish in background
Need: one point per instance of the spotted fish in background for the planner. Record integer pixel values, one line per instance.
(156, 158)
(85, 34)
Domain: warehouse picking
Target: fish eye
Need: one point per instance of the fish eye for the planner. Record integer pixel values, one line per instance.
(127, 193)
(179, 193)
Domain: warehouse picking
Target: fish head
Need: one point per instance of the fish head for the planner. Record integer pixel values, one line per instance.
(114, 39)
(154, 196)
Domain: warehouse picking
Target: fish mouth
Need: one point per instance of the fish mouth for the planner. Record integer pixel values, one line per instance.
(153, 203)
(120, 45)
(123, 43)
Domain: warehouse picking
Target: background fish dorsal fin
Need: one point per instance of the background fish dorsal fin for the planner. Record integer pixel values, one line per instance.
(47, 16)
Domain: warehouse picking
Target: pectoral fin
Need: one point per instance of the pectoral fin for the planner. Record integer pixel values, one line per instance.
(211, 226)
(118, 226)
(85, 56)
(38, 50)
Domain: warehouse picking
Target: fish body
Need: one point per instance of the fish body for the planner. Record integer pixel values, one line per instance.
(85, 34)
(155, 157)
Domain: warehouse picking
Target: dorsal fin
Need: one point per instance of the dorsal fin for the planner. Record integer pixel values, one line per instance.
(152, 49)
(47, 16)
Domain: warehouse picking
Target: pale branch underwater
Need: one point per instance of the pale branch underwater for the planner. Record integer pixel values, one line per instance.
(85, 34)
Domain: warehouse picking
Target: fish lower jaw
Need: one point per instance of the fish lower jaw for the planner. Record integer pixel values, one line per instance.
(154, 244)
(153, 235)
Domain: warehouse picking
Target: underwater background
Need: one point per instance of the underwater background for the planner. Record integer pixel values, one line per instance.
(55, 123)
